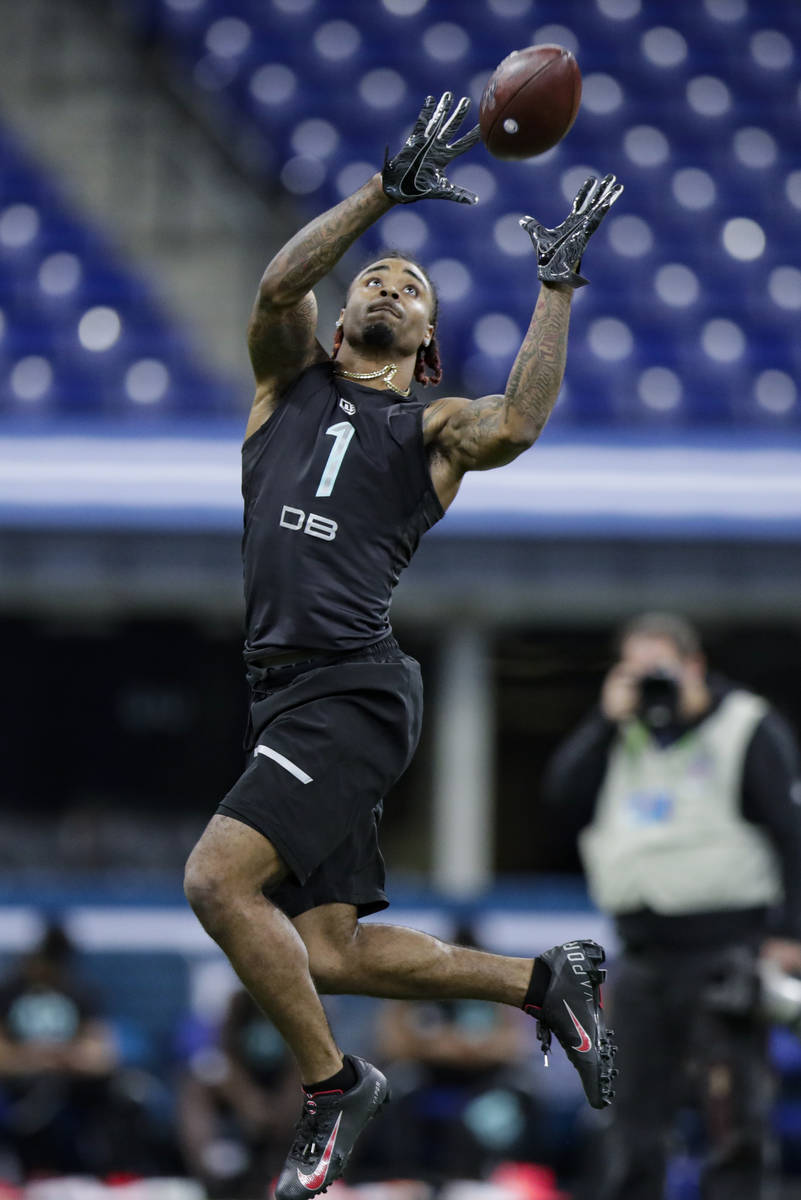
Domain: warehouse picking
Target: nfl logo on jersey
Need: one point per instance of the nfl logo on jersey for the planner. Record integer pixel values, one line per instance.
(347, 406)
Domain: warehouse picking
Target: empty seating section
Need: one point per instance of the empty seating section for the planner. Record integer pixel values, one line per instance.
(80, 333)
(693, 314)
(696, 294)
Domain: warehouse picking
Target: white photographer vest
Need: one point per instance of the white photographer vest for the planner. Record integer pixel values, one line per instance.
(668, 833)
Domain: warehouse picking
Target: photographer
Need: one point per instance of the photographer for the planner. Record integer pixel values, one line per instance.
(685, 789)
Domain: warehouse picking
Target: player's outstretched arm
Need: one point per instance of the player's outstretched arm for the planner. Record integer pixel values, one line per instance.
(476, 435)
(282, 332)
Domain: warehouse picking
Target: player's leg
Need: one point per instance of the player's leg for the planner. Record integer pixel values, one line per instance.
(560, 988)
(372, 720)
(225, 877)
(398, 963)
(238, 859)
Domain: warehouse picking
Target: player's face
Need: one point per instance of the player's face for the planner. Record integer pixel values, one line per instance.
(389, 307)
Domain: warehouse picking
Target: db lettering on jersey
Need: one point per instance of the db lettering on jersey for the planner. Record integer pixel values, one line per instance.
(309, 523)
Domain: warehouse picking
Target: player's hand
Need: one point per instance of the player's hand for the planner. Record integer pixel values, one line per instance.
(559, 250)
(416, 171)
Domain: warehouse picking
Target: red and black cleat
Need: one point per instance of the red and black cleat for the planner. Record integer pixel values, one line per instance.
(572, 1010)
(325, 1134)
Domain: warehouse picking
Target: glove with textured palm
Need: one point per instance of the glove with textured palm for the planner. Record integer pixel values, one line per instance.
(416, 171)
(559, 250)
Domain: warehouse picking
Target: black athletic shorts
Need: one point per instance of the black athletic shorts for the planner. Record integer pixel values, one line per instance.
(326, 745)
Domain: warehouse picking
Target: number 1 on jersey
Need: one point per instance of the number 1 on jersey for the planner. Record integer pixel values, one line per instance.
(342, 432)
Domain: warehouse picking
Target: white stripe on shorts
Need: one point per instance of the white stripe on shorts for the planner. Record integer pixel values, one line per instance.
(286, 763)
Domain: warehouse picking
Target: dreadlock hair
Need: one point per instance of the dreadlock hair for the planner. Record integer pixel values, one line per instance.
(428, 359)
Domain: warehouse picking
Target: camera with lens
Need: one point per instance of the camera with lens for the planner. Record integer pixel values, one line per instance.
(658, 699)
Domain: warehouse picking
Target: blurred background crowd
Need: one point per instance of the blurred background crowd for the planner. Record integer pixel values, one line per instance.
(153, 156)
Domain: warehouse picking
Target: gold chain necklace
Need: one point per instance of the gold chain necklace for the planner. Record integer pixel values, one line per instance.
(387, 373)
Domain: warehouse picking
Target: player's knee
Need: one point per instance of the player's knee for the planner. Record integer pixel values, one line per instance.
(230, 868)
(209, 888)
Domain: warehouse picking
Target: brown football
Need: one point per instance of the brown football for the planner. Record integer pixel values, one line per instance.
(530, 101)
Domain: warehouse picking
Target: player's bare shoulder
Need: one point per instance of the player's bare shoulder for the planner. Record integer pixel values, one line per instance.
(438, 415)
(462, 428)
(456, 431)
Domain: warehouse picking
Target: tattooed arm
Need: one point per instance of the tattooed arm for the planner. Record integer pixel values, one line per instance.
(474, 435)
(282, 333)
(464, 435)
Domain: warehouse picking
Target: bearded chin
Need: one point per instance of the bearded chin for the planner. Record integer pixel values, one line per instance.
(379, 335)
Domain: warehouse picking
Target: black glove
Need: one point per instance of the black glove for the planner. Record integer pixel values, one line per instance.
(416, 170)
(559, 250)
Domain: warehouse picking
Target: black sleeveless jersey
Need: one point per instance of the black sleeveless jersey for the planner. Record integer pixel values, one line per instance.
(337, 494)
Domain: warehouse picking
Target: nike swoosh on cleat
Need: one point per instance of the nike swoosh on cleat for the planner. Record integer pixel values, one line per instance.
(317, 1178)
(585, 1044)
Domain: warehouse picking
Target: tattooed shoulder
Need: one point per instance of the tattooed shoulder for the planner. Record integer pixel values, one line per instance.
(440, 413)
